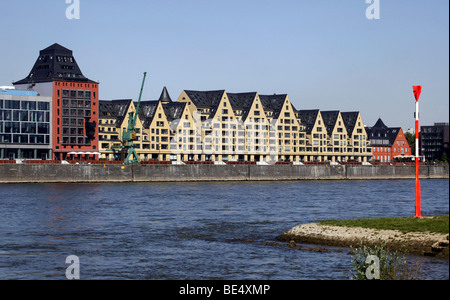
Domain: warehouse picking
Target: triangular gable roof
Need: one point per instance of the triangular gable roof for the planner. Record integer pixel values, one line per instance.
(147, 112)
(350, 119)
(330, 119)
(273, 103)
(242, 101)
(308, 118)
(380, 124)
(174, 110)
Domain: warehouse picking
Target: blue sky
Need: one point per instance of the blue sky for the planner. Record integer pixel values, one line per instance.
(325, 54)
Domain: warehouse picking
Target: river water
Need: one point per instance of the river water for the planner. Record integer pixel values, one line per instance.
(193, 230)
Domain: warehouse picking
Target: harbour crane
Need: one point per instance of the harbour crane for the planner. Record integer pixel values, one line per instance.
(129, 135)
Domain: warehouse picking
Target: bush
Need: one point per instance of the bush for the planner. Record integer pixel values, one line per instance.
(380, 264)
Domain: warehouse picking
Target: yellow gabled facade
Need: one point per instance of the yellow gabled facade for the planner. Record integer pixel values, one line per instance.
(256, 129)
(159, 134)
(112, 125)
(287, 127)
(313, 135)
(185, 141)
(231, 127)
(358, 145)
(337, 136)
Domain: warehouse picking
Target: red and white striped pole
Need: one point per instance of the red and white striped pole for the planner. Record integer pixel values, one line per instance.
(417, 89)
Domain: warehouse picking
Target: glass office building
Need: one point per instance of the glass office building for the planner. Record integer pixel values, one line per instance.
(25, 129)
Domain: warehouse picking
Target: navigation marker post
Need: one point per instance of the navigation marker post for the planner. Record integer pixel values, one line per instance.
(417, 89)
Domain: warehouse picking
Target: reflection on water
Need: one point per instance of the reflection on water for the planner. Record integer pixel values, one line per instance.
(193, 230)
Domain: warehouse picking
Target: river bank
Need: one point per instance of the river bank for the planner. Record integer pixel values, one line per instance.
(420, 243)
(57, 173)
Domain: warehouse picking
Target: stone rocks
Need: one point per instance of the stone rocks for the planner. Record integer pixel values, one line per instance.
(440, 248)
(291, 244)
(413, 242)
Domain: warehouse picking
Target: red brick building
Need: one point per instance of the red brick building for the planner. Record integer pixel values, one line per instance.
(388, 143)
(74, 104)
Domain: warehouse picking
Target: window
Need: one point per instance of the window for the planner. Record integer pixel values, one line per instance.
(43, 128)
(12, 104)
(43, 106)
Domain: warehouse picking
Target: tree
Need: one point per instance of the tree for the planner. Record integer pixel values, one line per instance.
(444, 157)
(411, 138)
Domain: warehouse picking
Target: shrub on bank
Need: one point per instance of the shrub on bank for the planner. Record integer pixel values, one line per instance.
(379, 264)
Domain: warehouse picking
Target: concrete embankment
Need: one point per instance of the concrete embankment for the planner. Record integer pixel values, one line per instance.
(36, 173)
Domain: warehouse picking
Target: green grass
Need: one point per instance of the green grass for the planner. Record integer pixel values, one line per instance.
(434, 224)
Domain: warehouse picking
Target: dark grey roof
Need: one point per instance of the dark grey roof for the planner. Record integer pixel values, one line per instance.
(174, 110)
(380, 124)
(147, 108)
(55, 63)
(242, 101)
(273, 102)
(349, 119)
(205, 99)
(147, 111)
(165, 97)
(381, 135)
(330, 119)
(308, 118)
(116, 109)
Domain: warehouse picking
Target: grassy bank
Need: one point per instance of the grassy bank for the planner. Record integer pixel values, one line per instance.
(433, 224)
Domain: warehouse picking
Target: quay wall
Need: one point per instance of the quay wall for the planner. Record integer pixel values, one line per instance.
(54, 173)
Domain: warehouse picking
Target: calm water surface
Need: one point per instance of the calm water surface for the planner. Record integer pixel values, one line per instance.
(189, 230)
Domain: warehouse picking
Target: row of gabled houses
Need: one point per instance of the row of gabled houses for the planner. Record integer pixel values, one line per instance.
(222, 126)
(55, 113)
